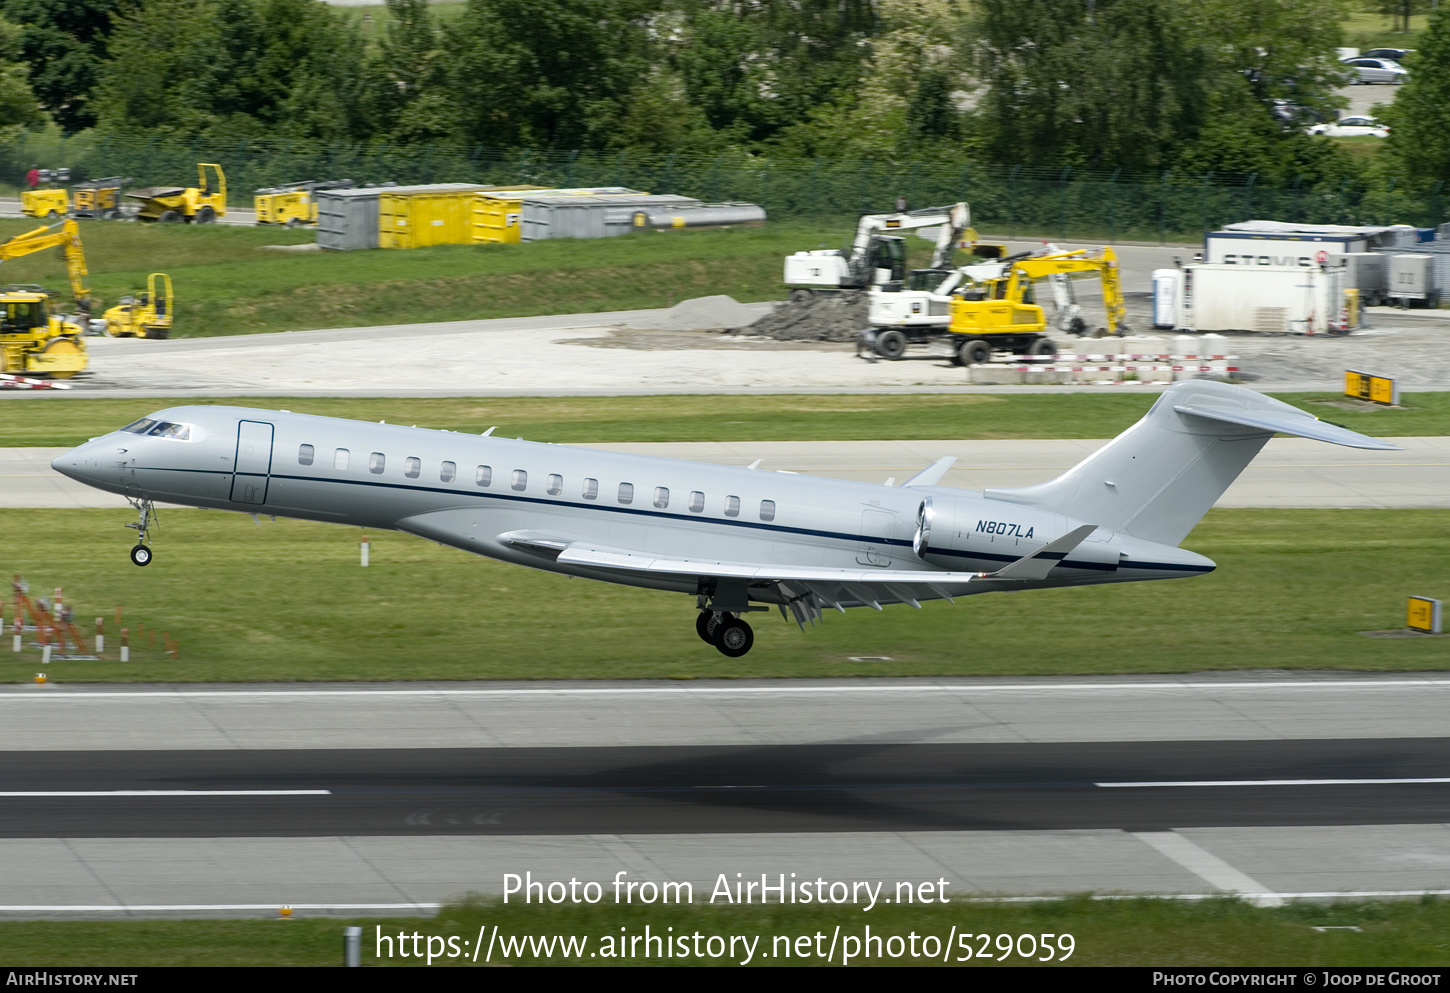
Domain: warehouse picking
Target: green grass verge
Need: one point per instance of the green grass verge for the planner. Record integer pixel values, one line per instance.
(1142, 932)
(71, 420)
(227, 282)
(287, 600)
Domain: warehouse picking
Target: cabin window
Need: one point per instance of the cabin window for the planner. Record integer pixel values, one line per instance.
(697, 501)
(448, 472)
(521, 480)
(483, 475)
(662, 497)
(732, 506)
(139, 427)
(555, 484)
(591, 489)
(767, 510)
(339, 459)
(305, 455)
(377, 461)
(412, 467)
(626, 493)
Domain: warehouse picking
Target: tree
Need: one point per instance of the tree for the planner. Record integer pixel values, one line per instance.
(556, 74)
(63, 44)
(18, 106)
(1419, 119)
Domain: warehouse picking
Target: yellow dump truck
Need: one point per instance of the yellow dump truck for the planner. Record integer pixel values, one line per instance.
(200, 204)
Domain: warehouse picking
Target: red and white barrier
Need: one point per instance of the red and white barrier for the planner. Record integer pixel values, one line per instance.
(11, 382)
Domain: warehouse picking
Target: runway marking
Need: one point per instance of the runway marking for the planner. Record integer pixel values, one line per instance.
(108, 793)
(52, 693)
(1275, 782)
(1208, 866)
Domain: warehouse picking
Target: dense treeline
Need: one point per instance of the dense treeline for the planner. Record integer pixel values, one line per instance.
(1199, 87)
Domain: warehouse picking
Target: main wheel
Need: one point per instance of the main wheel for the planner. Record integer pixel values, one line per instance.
(891, 345)
(141, 555)
(733, 637)
(974, 352)
(169, 217)
(802, 296)
(1043, 349)
(702, 626)
(205, 216)
(156, 332)
(294, 222)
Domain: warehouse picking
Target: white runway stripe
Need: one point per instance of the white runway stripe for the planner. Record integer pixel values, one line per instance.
(56, 695)
(1274, 782)
(110, 793)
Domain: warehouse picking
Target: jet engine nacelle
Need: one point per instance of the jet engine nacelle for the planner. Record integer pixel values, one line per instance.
(968, 532)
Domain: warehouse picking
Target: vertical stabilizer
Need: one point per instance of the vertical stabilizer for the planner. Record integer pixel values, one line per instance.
(1157, 479)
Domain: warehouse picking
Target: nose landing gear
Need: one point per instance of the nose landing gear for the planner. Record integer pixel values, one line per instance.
(141, 554)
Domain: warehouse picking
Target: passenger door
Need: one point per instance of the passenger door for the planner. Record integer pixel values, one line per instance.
(253, 463)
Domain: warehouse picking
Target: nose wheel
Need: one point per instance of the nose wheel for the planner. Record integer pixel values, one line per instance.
(730, 635)
(146, 517)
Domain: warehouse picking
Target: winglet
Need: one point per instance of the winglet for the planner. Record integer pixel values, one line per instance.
(1041, 562)
(933, 473)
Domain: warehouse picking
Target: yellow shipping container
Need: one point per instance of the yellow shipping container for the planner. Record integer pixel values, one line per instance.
(419, 216)
(497, 213)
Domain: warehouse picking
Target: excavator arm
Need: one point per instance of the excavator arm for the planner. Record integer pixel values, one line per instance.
(1104, 263)
(66, 236)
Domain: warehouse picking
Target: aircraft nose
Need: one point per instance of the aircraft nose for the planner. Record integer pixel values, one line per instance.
(86, 464)
(67, 464)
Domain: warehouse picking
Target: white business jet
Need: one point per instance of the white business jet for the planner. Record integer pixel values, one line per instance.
(738, 540)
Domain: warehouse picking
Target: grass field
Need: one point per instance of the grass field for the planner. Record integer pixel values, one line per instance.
(68, 420)
(287, 600)
(1142, 932)
(227, 282)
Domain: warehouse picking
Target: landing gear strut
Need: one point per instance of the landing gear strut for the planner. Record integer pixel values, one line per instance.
(141, 554)
(728, 633)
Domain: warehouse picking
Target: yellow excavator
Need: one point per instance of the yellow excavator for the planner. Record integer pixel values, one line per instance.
(999, 313)
(33, 340)
(146, 316)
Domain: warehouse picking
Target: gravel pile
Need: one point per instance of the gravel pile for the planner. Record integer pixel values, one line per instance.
(820, 317)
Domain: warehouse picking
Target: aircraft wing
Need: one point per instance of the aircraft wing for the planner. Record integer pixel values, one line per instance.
(809, 589)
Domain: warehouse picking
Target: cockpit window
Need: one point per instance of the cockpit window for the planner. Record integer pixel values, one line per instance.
(168, 429)
(140, 427)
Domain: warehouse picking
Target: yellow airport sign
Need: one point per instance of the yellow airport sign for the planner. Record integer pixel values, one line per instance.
(1423, 614)
(1376, 389)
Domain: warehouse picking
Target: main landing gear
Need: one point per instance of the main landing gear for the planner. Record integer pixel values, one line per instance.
(141, 554)
(728, 633)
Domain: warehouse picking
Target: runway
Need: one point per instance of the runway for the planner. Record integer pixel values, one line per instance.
(812, 788)
(1276, 787)
(1290, 472)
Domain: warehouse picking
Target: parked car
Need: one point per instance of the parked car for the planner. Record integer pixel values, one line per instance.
(1352, 127)
(1393, 54)
(1377, 70)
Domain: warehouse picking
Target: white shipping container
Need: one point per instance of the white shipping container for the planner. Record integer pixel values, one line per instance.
(1266, 299)
(1242, 248)
(1412, 277)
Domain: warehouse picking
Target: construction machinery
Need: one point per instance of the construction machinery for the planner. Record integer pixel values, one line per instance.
(875, 258)
(991, 306)
(200, 204)
(292, 204)
(144, 316)
(49, 202)
(98, 198)
(33, 339)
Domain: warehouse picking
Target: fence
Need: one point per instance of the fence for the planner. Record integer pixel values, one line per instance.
(1010, 200)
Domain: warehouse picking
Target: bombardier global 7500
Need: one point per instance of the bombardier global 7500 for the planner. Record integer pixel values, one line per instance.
(737, 539)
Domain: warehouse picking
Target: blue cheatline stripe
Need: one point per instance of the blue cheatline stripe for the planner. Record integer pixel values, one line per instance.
(657, 514)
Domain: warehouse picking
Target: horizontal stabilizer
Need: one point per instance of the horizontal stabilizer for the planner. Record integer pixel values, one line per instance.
(933, 473)
(1282, 421)
(1041, 562)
